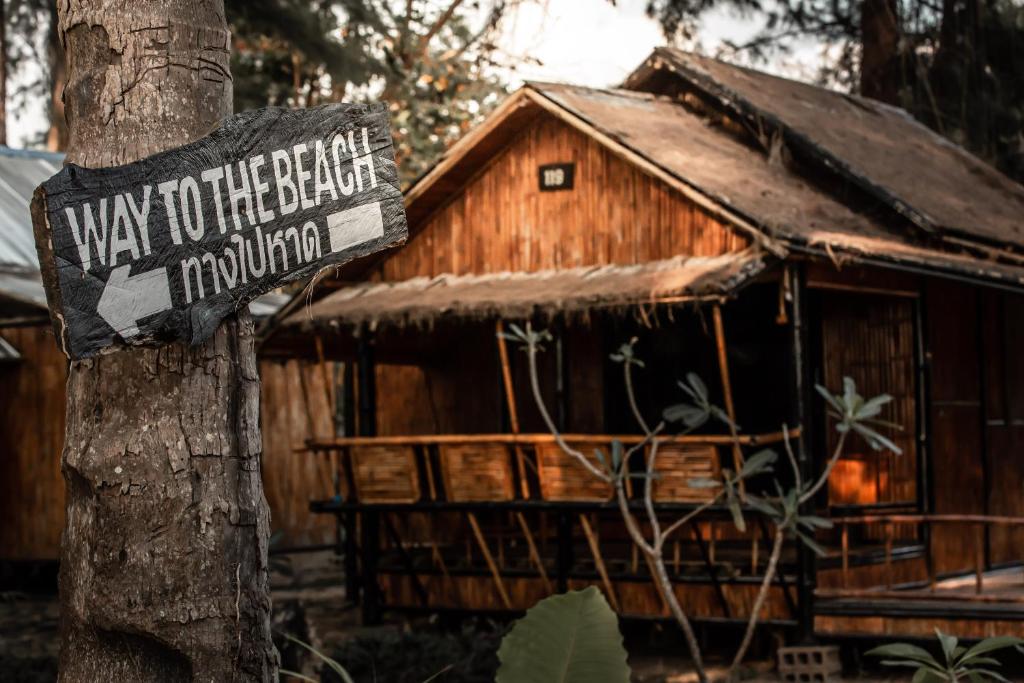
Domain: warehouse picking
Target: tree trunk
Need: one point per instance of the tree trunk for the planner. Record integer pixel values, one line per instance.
(880, 68)
(57, 138)
(163, 571)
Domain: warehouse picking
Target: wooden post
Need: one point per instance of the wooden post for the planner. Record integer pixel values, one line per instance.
(979, 559)
(723, 368)
(326, 375)
(595, 550)
(888, 555)
(191, 602)
(510, 399)
(846, 555)
(367, 380)
(495, 574)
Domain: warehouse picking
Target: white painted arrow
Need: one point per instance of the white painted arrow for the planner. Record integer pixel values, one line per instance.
(127, 299)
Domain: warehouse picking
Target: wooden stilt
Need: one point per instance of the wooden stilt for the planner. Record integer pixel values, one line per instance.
(595, 550)
(534, 555)
(723, 368)
(498, 583)
(510, 399)
(675, 555)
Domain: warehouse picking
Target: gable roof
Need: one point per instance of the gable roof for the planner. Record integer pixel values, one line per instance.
(698, 156)
(938, 186)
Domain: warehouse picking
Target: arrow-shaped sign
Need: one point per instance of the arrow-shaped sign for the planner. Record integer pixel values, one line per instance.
(126, 298)
(165, 248)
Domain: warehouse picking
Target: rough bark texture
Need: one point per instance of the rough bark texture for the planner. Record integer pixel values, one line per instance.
(164, 559)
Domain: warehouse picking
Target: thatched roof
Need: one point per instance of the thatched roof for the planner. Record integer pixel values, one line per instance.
(520, 295)
(937, 185)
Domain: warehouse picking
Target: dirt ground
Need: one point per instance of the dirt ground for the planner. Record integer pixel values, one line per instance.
(309, 602)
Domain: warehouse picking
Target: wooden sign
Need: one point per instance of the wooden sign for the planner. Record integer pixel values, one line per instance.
(163, 249)
(557, 176)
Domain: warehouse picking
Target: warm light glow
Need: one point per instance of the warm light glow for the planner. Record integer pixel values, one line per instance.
(852, 482)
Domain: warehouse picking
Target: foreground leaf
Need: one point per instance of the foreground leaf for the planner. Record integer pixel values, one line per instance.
(568, 638)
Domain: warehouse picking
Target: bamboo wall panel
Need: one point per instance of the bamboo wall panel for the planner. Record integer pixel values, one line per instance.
(476, 471)
(615, 214)
(293, 408)
(871, 339)
(563, 478)
(31, 440)
(679, 465)
(385, 474)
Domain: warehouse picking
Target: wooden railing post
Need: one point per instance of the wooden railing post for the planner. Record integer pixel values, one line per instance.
(979, 559)
(888, 554)
(846, 555)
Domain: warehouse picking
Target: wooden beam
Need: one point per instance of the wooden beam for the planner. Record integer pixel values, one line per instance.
(533, 439)
(723, 369)
(595, 550)
(510, 400)
(489, 559)
(534, 555)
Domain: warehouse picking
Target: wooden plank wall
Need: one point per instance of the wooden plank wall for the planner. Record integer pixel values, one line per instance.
(614, 214)
(32, 437)
(293, 408)
(1002, 338)
(870, 338)
(957, 455)
(31, 440)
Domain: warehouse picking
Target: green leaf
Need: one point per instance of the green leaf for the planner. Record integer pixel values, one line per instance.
(986, 675)
(903, 651)
(689, 415)
(762, 506)
(810, 543)
(616, 455)
(722, 416)
(872, 407)
(703, 483)
(814, 522)
(874, 439)
(948, 644)
(296, 674)
(830, 399)
(698, 385)
(990, 645)
(924, 675)
(568, 638)
(759, 462)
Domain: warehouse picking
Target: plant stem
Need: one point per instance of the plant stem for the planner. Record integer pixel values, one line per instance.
(762, 595)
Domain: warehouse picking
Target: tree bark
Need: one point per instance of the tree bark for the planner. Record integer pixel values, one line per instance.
(880, 72)
(57, 138)
(164, 557)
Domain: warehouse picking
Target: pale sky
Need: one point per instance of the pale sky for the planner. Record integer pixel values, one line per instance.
(586, 42)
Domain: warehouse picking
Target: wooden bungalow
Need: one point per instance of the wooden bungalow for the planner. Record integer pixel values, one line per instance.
(763, 233)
